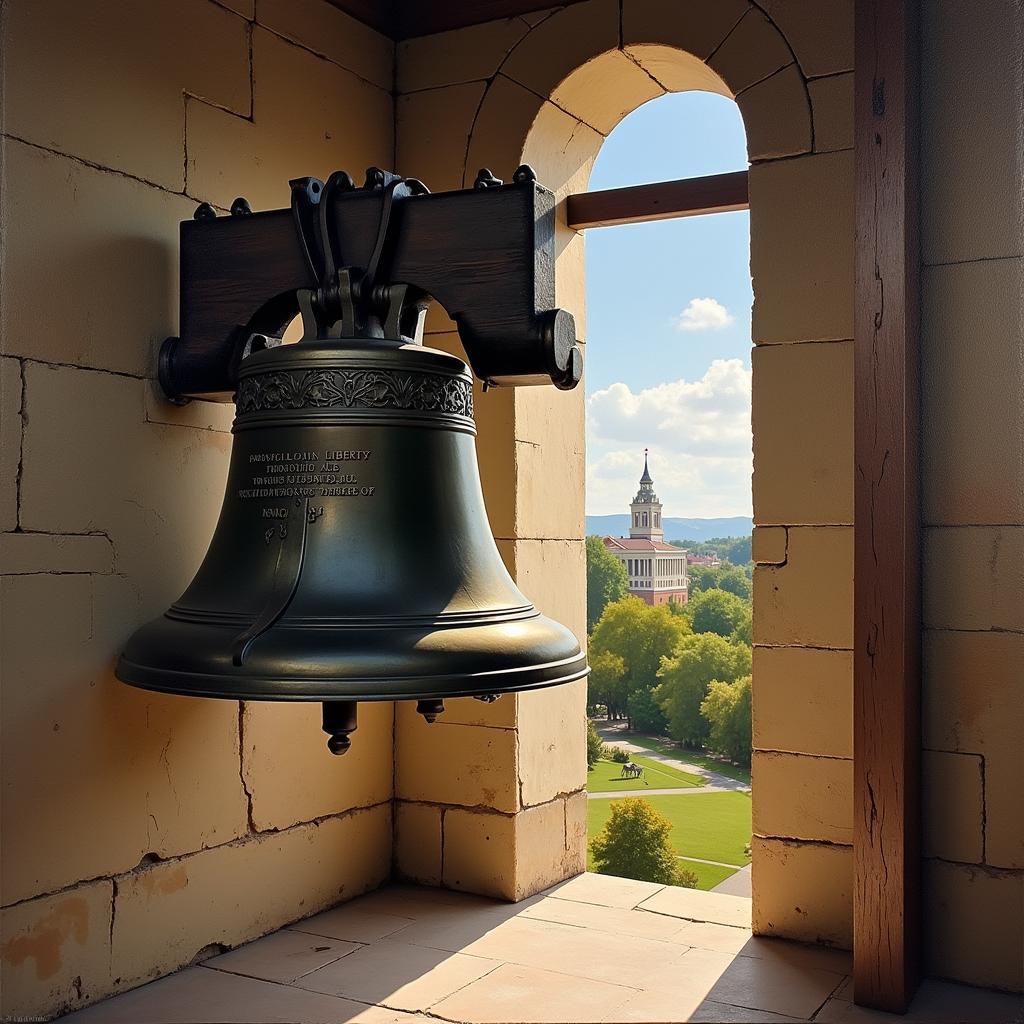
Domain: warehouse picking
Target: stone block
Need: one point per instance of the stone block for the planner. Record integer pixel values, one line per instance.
(832, 112)
(987, 563)
(124, 772)
(244, 8)
(698, 28)
(803, 797)
(500, 714)
(501, 128)
(550, 481)
(551, 574)
(1004, 807)
(55, 951)
(972, 432)
(121, 79)
(603, 91)
(432, 129)
(480, 853)
(801, 248)
(769, 545)
(512, 857)
(820, 33)
(677, 70)
(552, 742)
(113, 245)
(333, 34)
(561, 149)
(455, 764)
(777, 116)
(235, 893)
(972, 160)
(470, 54)
(803, 701)
(973, 927)
(10, 439)
(809, 600)
(25, 553)
(953, 806)
(92, 464)
(345, 123)
(496, 456)
(803, 891)
(418, 837)
(973, 691)
(802, 413)
(751, 52)
(562, 43)
(293, 777)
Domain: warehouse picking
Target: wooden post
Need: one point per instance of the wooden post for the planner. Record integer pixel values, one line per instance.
(887, 607)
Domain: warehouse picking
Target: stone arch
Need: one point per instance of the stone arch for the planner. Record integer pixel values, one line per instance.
(557, 94)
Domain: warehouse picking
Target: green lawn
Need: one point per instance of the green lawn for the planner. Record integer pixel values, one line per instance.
(711, 826)
(708, 875)
(711, 764)
(605, 777)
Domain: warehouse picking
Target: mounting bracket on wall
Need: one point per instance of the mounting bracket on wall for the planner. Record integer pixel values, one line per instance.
(486, 254)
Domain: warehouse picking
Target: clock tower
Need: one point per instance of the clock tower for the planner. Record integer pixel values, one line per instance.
(645, 511)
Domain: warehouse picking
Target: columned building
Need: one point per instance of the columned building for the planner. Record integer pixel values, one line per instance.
(656, 570)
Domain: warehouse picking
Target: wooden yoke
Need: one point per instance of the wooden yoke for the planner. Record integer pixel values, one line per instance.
(486, 254)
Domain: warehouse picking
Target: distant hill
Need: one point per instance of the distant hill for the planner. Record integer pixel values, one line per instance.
(675, 528)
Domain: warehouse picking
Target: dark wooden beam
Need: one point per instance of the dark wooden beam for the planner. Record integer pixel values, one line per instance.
(664, 200)
(887, 571)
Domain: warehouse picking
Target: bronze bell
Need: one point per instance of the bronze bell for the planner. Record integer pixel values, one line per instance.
(353, 559)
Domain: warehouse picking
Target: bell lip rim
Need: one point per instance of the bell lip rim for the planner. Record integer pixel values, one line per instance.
(423, 693)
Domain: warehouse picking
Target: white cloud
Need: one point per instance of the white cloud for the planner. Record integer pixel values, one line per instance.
(699, 437)
(704, 315)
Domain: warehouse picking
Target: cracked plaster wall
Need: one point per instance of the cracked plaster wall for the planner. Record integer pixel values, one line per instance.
(139, 829)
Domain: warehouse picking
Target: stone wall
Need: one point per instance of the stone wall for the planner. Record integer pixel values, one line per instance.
(140, 829)
(972, 157)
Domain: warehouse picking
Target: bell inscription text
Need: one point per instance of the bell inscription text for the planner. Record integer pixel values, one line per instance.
(307, 474)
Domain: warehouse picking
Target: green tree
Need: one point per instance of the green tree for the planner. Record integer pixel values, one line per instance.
(697, 660)
(640, 635)
(634, 843)
(717, 611)
(744, 631)
(727, 709)
(645, 712)
(595, 745)
(607, 580)
(605, 684)
(733, 578)
(728, 549)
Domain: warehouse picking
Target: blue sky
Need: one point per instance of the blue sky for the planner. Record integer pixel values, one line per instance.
(668, 322)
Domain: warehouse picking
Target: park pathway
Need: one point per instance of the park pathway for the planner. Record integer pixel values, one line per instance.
(611, 732)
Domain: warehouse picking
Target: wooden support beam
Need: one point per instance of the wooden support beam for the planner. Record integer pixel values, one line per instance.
(664, 200)
(887, 571)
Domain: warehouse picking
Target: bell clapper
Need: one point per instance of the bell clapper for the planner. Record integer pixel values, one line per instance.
(339, 724)
(430, 709)
(487, 698)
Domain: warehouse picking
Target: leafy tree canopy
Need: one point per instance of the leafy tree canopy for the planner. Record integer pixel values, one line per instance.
(698, 659)
(606, 682)
(728, 549)
(732, 578)
(645, 713)
(727, 708)
(718, 611)
(641, 635)
(635, 844)
(607, 580)
(595, 745)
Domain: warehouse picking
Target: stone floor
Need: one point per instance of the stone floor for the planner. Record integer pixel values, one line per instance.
(591, 949)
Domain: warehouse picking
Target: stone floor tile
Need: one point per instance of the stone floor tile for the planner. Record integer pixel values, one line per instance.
(456, 928)
(398, 975)
(707, 935)
(417, 901)
(799, 954)
(695, 905)
(613, 920)
(757, 984)
(671, 1008)
(604, 890)
(710, 1012)
(940, 1001)
(283, 956)
(199, 995)
(351, 923)
(514, 993)
(578, 951)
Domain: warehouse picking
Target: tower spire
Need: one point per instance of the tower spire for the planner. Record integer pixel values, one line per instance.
(646, 478)
(645, 510)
